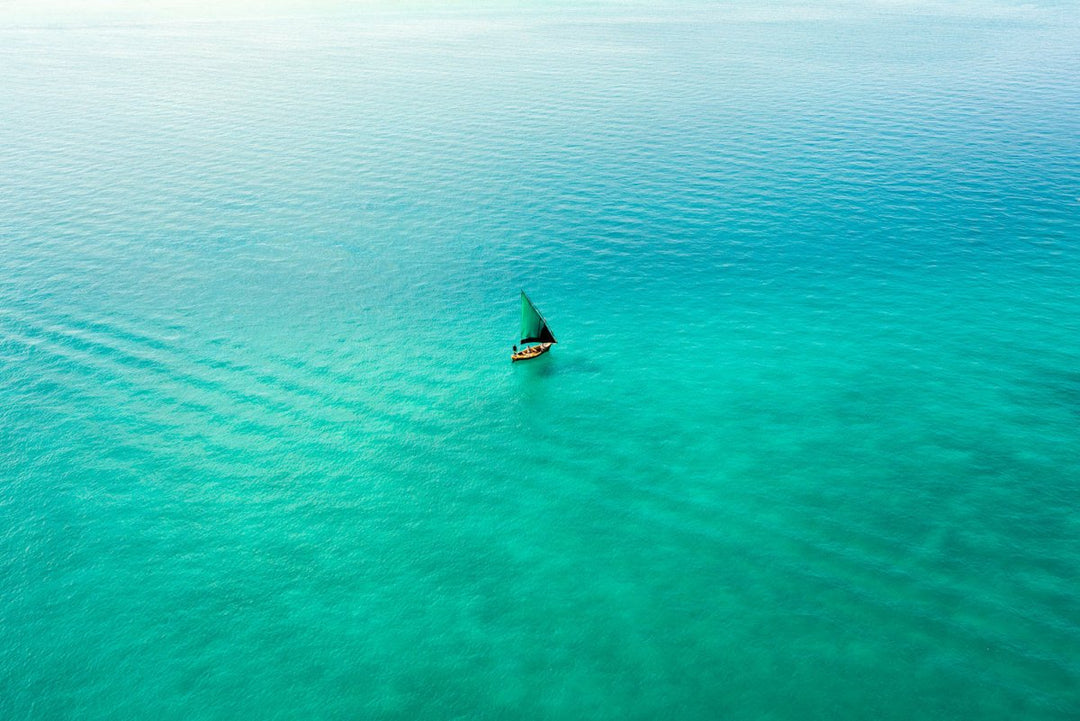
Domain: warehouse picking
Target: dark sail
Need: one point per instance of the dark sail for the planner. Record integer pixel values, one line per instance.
(534, 328)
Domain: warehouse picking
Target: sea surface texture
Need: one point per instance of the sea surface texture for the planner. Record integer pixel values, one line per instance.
(808, 446)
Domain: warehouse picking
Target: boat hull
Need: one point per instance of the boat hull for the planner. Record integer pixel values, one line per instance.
(531, 352)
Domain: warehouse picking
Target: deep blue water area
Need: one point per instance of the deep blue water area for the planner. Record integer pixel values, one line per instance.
(807, 447)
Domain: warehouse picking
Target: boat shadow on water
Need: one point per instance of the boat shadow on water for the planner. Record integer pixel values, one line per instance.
(550, 365)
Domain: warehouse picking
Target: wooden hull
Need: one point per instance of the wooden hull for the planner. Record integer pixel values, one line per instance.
(534, 351)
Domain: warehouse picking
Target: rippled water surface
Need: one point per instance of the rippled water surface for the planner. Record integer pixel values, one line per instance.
(808, 446)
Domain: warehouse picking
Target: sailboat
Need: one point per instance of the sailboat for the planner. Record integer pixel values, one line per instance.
(534, 329)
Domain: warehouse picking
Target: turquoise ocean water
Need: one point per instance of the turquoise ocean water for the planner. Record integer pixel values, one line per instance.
(808, 447)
